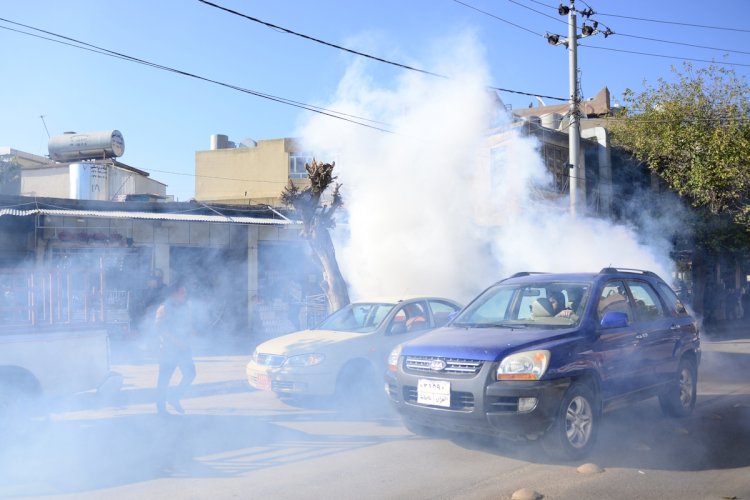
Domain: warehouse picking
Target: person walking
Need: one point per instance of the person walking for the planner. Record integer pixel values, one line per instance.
(174, 325)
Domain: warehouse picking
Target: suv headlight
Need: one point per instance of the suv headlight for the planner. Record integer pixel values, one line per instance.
(528, 365)
(393, 358)
(311, 359)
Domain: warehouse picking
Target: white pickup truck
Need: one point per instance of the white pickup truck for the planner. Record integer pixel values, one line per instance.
(42, 364)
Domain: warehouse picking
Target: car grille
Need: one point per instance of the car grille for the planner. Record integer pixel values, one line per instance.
(452, 365)
(280, 386)
(460, 401)
(272, 360)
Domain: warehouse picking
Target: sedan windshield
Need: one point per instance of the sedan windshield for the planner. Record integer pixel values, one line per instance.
(527, 304)
(360, 317)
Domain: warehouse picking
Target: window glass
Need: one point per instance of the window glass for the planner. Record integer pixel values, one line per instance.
(360, 317)
(613, 298)
(410, 318)
(297, 165)
(527, 304)
(528, 297)
(442, 311)
(673, 302)
(646, 302)
(491, 307)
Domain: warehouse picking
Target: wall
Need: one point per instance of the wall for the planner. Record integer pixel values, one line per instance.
(51, 182)
(244, 175)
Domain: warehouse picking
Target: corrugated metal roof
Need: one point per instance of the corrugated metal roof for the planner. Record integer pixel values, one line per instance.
(186, 217)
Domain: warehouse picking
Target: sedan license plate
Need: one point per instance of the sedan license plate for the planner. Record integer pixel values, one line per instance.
(263, 381)
(434, 392)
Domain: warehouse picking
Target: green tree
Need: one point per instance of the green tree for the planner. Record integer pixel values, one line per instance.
(694, 132)
(317, 218)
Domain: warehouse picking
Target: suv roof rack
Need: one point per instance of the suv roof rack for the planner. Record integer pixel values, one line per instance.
(525, 273)
(612, 270)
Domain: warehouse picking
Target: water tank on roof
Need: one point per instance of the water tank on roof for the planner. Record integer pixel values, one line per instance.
(89, 181)
(221, 141)
(551, 120)
(72, 146)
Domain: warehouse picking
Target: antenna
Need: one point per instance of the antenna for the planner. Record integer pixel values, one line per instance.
(45, 125)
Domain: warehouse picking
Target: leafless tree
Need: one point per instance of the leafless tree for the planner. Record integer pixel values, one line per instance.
(317, 218)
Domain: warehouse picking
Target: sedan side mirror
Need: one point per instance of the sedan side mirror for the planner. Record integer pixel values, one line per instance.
(614, 319)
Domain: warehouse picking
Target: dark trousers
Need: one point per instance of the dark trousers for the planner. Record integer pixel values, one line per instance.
(168, 363)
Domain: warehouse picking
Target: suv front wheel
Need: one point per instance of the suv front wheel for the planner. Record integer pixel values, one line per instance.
(679, 399)
(574, 431)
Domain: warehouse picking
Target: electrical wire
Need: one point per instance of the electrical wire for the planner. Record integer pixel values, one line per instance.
(369, 56)
(498, 18)
(99, 50)
(682, 43)
(664, 56)
(652, 20)
(673, 22)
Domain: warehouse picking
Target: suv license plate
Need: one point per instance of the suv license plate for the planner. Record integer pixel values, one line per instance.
(434, 392)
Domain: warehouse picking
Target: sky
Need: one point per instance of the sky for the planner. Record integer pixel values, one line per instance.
(165, 117)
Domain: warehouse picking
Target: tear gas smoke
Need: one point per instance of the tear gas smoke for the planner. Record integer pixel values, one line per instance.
(433, 209)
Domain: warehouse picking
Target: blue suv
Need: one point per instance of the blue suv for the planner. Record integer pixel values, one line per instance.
(543, 356)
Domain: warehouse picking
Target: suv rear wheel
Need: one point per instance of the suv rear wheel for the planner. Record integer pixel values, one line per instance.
(679, 399)
(574, 431)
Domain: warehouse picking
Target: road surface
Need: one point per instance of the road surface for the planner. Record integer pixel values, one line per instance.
(234, 442)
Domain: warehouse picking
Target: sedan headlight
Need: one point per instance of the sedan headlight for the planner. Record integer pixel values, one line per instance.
(311, 359)
(393, 358)
(528, 365)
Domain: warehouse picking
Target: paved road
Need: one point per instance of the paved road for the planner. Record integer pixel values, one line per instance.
(237, 443)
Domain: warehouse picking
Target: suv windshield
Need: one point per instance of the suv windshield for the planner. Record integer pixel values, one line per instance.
(528, 304)
(359, 318)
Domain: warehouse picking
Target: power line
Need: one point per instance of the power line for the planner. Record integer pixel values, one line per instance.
(318, 40)
(653, 20)
(99, 50)
(558, 19)
(619, 33)
(369, 56)
(499, 19)
(665, 56)
(682, 43)
(674, 22)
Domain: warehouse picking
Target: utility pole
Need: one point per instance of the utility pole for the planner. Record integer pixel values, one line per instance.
(576, 172)
(574, 132)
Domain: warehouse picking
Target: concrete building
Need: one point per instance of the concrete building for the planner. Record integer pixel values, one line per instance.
(79, 166)
(85, 228)
(231, 257)
(248, 173)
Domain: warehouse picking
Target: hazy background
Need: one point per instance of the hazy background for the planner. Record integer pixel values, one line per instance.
(418, 200)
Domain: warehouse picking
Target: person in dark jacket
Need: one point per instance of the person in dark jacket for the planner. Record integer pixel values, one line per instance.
(174, 326)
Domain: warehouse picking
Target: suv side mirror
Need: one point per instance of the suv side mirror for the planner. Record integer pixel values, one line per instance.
(614, 319)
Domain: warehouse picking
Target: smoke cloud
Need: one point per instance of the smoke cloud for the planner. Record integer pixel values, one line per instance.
(432, 209)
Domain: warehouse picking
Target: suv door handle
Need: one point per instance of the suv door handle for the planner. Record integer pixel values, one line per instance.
(641, 336)
(675, 327)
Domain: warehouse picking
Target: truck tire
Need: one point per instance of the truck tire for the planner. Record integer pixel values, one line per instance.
(679, 399)
(574, 431)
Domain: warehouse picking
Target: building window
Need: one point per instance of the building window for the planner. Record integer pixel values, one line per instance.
(556, 160)
(297, 165)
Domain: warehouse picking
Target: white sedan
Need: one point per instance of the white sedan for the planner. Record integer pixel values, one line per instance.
(348, 352)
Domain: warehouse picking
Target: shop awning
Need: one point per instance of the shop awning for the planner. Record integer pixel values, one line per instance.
(175, 216)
